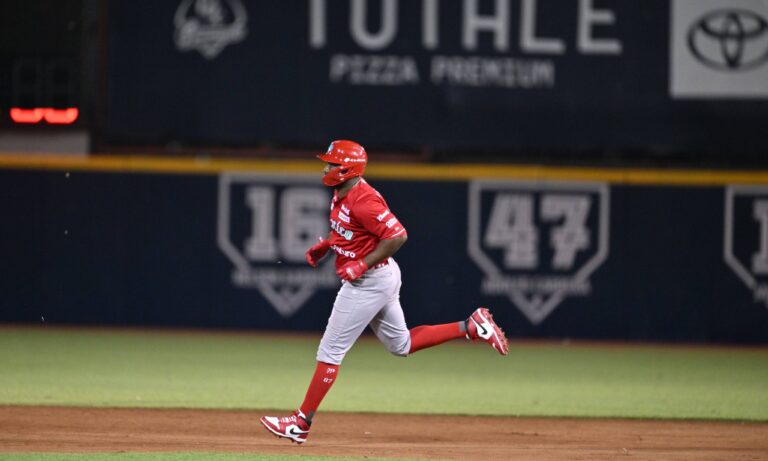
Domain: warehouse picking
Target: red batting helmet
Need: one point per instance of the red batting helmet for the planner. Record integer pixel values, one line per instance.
(350, 155)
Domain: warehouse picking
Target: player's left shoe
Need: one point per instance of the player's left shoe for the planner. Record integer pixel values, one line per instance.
(480, 326)
(293, 427)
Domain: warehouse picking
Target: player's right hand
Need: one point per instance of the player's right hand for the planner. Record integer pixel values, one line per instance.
(317, 251)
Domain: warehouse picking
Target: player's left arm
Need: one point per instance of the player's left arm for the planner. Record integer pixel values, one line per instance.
(377, 219)
(385, 249)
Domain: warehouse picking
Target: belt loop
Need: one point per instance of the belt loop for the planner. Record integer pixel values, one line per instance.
(381, 264)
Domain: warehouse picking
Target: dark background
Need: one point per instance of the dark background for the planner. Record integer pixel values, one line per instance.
(122, 248)
(270, 94)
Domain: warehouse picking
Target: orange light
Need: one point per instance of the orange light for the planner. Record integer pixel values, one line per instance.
(51, 115)
(27, 115)
(61, 117)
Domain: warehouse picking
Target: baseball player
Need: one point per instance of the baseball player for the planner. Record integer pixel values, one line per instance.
(364, 235)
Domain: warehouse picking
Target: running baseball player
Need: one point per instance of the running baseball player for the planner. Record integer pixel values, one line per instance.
(364, 235)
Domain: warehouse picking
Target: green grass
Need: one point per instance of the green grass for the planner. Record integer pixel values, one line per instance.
(195, 370)
(167, 457)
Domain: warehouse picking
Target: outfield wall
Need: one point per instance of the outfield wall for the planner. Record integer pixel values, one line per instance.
(556, 252)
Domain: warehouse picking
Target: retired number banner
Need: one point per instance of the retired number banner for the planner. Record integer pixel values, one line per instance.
(575, 259)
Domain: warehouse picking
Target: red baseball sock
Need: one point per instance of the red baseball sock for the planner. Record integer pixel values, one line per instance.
(325, 376)
(426, 336)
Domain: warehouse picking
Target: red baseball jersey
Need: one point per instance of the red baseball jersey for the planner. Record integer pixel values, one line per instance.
(359, 221)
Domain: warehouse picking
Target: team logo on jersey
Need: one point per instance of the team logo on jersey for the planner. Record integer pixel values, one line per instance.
(208, 26)
(341, 230)
(537, 242)
(746, 237)
(265, 225)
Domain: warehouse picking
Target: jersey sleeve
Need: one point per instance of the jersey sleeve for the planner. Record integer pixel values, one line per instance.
(374, 214)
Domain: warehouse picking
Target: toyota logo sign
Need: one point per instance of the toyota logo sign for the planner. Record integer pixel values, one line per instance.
(730, 40)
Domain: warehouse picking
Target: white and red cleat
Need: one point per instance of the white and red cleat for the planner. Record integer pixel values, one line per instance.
(480, 325)
(294, 427)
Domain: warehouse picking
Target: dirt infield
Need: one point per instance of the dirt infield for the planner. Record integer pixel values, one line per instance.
(63, 429)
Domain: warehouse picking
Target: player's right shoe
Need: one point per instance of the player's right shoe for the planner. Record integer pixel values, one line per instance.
(480, 326)
(293, 427)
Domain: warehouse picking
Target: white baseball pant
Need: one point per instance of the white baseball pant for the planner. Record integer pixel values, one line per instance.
(373, 299)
